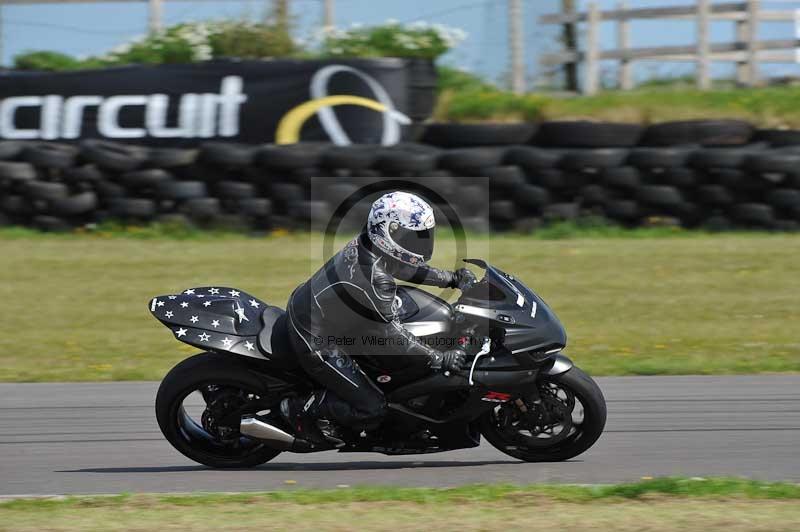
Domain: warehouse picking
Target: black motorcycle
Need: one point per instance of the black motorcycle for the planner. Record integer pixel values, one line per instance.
(520, 392)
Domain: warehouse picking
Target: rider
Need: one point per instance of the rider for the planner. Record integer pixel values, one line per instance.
(354, 292)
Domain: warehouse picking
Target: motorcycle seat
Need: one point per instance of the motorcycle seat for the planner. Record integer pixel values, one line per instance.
(269, 320)
(273, 339)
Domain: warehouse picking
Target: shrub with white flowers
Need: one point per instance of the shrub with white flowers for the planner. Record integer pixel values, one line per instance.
(201, 41)
(183, 43)
(393, 39)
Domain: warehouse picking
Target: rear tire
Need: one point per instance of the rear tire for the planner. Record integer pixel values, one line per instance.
(190, 374)
(594, 420)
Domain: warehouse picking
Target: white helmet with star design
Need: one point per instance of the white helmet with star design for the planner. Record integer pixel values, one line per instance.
(401, 225)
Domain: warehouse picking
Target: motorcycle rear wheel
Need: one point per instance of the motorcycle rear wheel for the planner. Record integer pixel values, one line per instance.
(203, 373)
(564, 435)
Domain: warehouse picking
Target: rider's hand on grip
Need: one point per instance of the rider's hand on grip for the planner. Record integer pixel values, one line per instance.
(463, 279)
(452, 360)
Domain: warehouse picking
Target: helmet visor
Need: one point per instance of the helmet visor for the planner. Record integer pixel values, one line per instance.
(417, 242)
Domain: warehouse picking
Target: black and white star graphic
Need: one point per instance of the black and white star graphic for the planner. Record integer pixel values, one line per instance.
(254, 303)
(168, 314)
(189, 291)
(249, 346)
(213, 291)
(180, 332)
(215, 323)
(234, 293)
(184, 304)
(227, 342)
(240, 312)
(204, 337)
(194, 319)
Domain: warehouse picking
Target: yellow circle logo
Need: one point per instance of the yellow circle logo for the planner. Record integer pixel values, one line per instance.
(288, 131)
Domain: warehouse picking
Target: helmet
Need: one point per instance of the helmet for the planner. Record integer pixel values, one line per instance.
(401, 225)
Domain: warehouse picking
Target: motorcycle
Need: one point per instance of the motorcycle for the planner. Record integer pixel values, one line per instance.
(221, 407)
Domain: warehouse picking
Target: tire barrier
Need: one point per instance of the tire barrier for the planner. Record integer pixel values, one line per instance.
(716, 174)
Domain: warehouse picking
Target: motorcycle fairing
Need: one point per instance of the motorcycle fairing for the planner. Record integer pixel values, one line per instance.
(216, 318)
(526, 321)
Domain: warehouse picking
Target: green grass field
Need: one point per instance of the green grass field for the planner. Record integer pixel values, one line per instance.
(661, 504)
(465, 98)
(773, 107)
(75, 306)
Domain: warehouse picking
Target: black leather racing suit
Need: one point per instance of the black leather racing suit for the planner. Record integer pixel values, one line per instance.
(348, 301)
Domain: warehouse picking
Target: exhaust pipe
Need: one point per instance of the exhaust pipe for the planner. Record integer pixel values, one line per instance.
(273, 436)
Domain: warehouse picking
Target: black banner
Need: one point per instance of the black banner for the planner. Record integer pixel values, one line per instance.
(242, 101)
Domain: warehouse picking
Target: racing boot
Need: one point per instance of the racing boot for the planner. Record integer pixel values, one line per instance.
(301, 414)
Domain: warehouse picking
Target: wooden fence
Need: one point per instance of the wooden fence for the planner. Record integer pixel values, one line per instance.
(746, 51)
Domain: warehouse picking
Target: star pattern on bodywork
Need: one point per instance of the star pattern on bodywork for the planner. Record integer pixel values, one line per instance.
(240, 312)
(195, 320)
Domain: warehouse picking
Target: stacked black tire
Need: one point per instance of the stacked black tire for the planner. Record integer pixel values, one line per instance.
(56, 186)
(715, 174)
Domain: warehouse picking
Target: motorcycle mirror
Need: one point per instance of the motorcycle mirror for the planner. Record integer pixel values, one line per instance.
(477, 262)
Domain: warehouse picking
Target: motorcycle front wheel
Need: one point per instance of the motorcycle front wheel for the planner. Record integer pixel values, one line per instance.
(195, 404)
(557, 421)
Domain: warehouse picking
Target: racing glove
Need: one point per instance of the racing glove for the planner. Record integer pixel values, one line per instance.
(452, 360)
(463, 279)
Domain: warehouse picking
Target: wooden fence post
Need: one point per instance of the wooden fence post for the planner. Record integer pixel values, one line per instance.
(570, 38)
(751, 65)
(327, 16)
(742, 32)
(517, 46)
(625, 81)
(154, 15)
(591, 80)
(797, 36)
(703, 46)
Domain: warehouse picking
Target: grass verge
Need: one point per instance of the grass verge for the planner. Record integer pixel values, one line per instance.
(633, 303)
(658, 504)
(465, 98)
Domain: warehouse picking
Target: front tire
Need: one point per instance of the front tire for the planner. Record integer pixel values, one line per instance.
(509, 430)
(203, 372)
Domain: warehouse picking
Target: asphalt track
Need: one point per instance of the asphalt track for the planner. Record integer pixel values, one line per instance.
(103, 438)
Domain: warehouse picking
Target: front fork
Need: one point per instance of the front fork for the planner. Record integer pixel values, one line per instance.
(557, 365)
